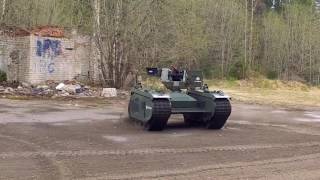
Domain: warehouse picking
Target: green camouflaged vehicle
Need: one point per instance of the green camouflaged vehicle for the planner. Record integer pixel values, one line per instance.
(187, 95)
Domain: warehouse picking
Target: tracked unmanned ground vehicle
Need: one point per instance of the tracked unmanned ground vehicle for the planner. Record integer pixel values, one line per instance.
(188, 96)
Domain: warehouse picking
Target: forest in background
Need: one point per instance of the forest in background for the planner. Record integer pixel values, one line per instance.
(229, 39)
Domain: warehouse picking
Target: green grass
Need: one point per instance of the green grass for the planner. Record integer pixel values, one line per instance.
(260, 91)
(272, 92)
(3, 76)
(154, 83)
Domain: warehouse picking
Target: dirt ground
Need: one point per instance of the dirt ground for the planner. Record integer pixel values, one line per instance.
(90, 140)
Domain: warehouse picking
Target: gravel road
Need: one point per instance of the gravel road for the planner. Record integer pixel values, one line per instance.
(81, 140)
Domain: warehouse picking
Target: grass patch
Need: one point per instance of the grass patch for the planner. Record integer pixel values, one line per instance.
(260, 91)
(272, 92)
(3, 76)
(155, 84)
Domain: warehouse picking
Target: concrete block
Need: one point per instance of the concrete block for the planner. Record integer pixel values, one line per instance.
(109, 92)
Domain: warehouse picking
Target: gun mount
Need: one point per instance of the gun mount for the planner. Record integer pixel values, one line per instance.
(176, 80)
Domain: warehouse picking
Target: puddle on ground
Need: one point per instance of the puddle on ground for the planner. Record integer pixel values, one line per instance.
(180, 134)
(307, 120)
(232, 128)
(71, 116)
(115, 121)
(279, 112)
(61, 124)
(259, 124)
(313, 115)
(117, 139)
(242, 122)
(68, 123)
(309, 117)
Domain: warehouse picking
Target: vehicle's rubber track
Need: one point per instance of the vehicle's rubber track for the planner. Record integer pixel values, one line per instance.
(221, 114)
(160, 114)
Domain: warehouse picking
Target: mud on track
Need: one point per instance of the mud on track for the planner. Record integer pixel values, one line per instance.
(75, 140)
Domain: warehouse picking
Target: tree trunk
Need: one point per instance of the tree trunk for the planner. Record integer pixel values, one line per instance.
(310, 64)
(3, 10)
(98, 41)
(223, 44)
(245, 40)
(251, 33)
(118, 53)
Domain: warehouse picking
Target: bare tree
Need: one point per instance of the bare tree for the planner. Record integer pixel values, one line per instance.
(3, 10)
(111, 29)
(221, 37)
(251, 33)
(245, 38)
(98, 40)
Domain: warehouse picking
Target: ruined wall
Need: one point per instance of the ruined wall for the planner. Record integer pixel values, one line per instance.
(14, 55)
(3, 55)
(83, 55)
(52, 59)
(35, 59)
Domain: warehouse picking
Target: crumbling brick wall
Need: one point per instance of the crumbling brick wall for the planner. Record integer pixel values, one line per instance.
(83, 55)
(36, 59)
(52, 59)
(14, 52)
(3, 54)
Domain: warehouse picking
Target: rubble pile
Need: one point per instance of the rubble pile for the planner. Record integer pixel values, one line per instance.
(59, 89)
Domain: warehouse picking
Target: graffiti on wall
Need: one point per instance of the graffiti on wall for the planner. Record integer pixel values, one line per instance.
(47, 50)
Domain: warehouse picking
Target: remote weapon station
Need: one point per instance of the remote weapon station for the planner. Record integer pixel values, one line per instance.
(188, 95)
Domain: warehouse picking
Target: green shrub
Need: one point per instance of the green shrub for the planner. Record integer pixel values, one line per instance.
(208, 72)
(3, 76)
(237, 70)
(154, 84)
(272, 75)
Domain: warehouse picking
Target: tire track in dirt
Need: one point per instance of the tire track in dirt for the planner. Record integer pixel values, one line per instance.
(62, 171)
(80, 153)
(282, 127)
(199, 169)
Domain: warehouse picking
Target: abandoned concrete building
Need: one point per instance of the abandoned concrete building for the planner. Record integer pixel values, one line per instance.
(44, 54)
